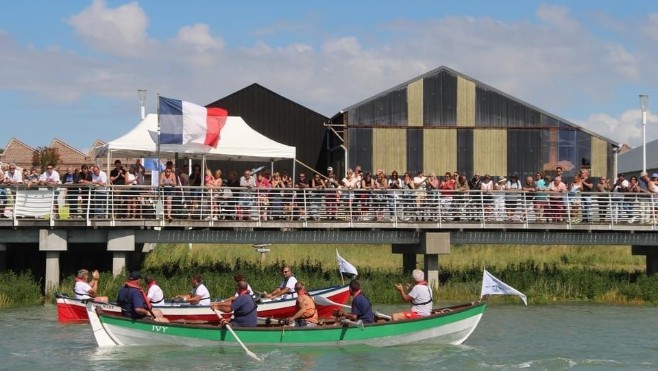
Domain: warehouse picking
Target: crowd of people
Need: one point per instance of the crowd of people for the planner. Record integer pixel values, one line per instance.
(139, 303)
(546, 196)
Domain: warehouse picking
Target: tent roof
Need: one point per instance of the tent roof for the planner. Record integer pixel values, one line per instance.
(238, 142)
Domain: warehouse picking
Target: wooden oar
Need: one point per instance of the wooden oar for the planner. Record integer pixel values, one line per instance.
(235, 336)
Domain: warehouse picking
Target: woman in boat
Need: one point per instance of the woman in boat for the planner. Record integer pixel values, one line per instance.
(199, 295)
(84, 290)
(243, 307)
(361, 306)
(306, 315)
(420, 297)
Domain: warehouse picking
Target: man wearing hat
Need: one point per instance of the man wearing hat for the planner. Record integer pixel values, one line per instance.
(420, 296)
(133, 300)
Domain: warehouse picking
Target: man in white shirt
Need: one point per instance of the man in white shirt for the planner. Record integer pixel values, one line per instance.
(99, 183)
(286, 289)
(50, 177)
(13, 176)
(420, 297)
(83, 290)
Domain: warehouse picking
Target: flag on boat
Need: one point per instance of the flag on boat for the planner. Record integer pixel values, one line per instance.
(493, 286)
(183, 122)
(344, 266)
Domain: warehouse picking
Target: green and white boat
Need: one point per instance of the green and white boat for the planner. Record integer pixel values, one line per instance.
(449, 325)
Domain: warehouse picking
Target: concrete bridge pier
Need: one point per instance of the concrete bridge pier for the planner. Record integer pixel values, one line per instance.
(120, 242)
(52, 242)
(3, 257)
(431, 246)
(651, 253)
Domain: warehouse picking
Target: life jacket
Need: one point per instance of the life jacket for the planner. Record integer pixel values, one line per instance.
(424, 283)
(308, 313)
(127, 305)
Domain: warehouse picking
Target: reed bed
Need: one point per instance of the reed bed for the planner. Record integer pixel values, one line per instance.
(546, 274)
(19, 289)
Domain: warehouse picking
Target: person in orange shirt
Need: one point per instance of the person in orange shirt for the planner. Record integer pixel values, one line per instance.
(306, 315)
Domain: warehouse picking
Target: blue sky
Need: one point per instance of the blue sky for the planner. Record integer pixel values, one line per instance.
(71, 69)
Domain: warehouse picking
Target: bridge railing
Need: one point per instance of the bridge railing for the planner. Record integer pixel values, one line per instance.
(394, 207)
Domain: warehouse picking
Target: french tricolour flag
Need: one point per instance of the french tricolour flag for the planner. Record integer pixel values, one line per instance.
(183, 122)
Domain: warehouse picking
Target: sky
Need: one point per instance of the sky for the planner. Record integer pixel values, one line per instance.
(71, 69)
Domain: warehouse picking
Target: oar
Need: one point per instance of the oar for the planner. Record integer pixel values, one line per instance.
(235, 336)
(325, 301)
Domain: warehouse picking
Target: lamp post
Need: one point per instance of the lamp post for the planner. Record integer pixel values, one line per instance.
(644, 103)
(141, 93)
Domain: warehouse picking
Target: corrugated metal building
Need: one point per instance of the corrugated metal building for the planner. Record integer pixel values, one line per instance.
(446, 121)
(279, 119)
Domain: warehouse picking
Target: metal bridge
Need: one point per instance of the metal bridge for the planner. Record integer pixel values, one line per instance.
(413, 221)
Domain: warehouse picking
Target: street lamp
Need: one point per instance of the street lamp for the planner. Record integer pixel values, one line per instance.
(142, 101)
(644, 103)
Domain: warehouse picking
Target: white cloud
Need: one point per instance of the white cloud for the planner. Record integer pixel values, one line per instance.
(120, 31)
(624, 128)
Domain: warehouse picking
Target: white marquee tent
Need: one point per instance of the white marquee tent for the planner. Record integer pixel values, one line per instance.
(238, 142)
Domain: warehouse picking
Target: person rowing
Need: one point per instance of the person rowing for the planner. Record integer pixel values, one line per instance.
(361, 306)
(243, 306)
(199, 295)
(286, 289)
(307, 314)
(134, 303)
(420, 297)
(84, 290)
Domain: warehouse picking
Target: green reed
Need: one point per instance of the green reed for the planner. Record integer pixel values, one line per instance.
(19, 289)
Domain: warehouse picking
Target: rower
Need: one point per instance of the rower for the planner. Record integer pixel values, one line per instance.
(243, 307)
(199, 295)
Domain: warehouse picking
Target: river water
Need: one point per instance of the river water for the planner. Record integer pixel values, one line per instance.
(509, 337)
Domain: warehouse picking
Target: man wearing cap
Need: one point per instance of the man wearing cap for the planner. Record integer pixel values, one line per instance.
(133, 301)
(420, 296)
(84, 290)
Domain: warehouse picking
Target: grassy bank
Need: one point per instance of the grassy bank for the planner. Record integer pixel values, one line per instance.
(599, 274)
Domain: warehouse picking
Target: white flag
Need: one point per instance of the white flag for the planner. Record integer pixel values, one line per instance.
(344, 266)
(493, 286)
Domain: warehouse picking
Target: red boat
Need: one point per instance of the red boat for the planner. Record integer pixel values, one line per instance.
(71, 310)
